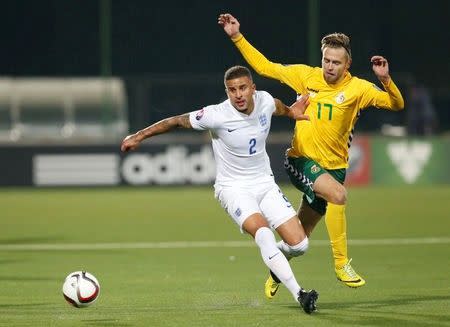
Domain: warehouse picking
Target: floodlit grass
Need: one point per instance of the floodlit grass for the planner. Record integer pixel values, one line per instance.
(407, 284)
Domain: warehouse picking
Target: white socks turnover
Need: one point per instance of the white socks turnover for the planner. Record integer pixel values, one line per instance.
(275, 260)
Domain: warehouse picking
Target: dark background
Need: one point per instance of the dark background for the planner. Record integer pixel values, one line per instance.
(172, 54)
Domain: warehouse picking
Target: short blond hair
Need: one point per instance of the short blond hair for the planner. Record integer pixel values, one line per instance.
(337, 40)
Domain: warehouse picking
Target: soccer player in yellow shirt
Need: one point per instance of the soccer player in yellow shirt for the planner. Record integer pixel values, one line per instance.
(316, 162)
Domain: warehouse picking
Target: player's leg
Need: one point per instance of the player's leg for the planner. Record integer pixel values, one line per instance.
(302, 172)
(281, 216)
(294, 241)
(309, 216)
(271, 212)
(274, 259)
(328, 188)
(309, 219)
(336, 223)
(317, 184)
(243, 207)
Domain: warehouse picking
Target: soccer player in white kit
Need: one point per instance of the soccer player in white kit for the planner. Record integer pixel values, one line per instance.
(245, 185)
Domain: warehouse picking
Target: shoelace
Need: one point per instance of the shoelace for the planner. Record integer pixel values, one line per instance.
(349, 270)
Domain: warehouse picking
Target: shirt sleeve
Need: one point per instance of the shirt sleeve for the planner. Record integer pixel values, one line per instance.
(203, 119)
(390, 98)
(266, 96)
(292, 75)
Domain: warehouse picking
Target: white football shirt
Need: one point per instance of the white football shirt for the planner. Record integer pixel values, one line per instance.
(238, 140)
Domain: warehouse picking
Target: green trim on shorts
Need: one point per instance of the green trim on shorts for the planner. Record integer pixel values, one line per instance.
(303, 172)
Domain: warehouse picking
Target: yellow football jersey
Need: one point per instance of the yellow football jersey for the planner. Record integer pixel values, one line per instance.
(333, 109)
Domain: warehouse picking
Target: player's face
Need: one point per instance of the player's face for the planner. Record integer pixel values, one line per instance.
(240, 92)
(335, 63)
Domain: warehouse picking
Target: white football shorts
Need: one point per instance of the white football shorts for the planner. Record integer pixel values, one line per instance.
(267, 199)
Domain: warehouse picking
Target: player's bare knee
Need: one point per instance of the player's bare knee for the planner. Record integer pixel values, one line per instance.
(339, 196)
(342, 196)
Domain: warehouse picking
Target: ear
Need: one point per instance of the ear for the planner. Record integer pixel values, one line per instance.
(349, 63)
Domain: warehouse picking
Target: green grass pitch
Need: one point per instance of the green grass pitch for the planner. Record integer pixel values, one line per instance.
(164, 257)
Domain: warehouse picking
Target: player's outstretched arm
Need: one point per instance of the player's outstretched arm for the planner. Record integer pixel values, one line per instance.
(230, 25)
(132, 141)
(380, 67)
(256, 59)
(295, 111)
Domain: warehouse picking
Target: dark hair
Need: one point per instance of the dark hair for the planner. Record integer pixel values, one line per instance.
(236, 72)
(337, 40)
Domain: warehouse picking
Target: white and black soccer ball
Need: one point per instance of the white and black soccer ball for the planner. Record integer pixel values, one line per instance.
(81, 289)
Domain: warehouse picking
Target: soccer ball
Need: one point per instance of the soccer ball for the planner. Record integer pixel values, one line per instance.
(81, 289)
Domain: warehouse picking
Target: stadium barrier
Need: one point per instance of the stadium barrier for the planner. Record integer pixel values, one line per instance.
(373, 160)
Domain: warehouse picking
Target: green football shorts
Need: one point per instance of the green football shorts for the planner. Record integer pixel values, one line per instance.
(303, 172)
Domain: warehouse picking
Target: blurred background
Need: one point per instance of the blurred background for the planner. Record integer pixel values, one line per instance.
(77, 76)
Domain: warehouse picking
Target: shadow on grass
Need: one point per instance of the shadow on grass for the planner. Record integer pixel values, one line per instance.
(25, 305)
(27, 279)
(8, 261)
(371, 312)
(105, 322)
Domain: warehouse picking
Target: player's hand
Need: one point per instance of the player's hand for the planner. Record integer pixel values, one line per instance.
(230, 25)
(130, 142)
(298, 108)
(380, 67)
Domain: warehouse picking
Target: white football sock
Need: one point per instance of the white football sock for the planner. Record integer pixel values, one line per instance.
(275, 260)
(291, 251)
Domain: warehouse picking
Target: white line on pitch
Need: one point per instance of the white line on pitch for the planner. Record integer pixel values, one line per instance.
(204, 244)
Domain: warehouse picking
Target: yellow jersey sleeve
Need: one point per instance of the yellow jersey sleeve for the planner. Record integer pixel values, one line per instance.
(372, 95)
(292, 75)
